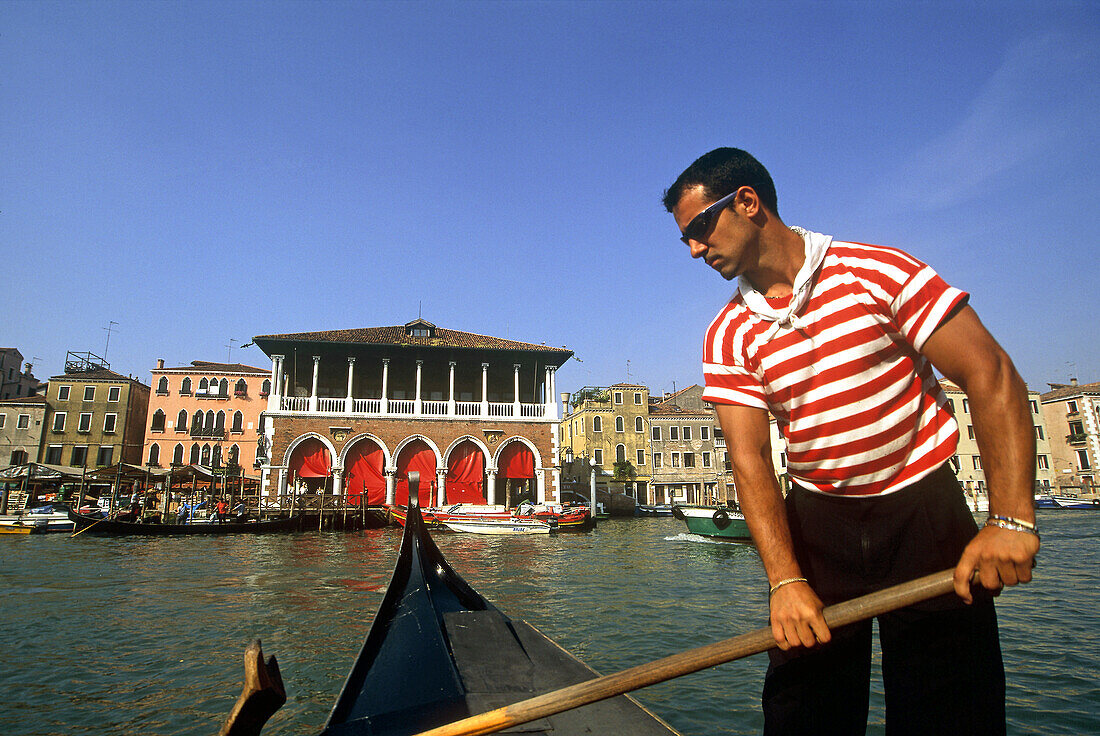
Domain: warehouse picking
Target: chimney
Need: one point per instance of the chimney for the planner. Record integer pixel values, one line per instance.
(1073, 381)
(160, 364)
(565, 403)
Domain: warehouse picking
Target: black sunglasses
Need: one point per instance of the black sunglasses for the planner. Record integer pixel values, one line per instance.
(701, 223)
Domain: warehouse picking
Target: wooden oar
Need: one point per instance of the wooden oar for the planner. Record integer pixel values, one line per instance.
(263, 694)
(89, 526)
(693, 660)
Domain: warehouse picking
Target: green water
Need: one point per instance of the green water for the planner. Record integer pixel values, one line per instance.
(145, 636)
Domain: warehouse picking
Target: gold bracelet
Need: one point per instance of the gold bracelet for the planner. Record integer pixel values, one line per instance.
(781, 583)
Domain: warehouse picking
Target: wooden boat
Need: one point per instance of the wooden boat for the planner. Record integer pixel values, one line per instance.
(48, 519)
(512, 525)
(560, 517)
(115, 528)
(22, 529)
(714, 522)
(438, 651)
(1075, 502)
(662, 509)
(563, 517)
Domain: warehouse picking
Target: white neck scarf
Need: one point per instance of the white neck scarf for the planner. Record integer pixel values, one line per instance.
(816, 247)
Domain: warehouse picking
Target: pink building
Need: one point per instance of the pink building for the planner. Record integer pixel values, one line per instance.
(206, 414)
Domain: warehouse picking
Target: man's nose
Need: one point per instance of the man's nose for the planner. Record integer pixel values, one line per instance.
(697, 248)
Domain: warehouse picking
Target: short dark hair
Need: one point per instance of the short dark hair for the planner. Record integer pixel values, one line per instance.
(720, 172)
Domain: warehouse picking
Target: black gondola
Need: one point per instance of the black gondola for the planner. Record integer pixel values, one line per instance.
(116, 528)
(438, 651)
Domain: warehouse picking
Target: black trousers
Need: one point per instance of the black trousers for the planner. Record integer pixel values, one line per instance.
(941, 659)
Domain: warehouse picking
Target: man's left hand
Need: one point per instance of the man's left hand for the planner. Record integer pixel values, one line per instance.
(1000, 556)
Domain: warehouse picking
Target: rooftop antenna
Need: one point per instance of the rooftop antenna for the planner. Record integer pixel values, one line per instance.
(230, 346)
(420, 309)
(109, 327)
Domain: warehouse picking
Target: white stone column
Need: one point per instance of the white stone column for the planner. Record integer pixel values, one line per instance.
(441, 483)
(349, 402)
(385, 394)
(337, 481)
(484, 389)
(491, 491)
(417, 404)
(274, 399)
(548, 402)
(451, 390)
(552, 394)
(515, 390)
(313, 393)
(391, 486)
(282, 485)
(540, 485)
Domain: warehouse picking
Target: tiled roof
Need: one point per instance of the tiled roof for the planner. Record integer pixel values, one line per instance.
(36, 399)
(102, 374)
(1062, 390)
(396, 335)
(202, 366)
(663, 409)
(627, 385)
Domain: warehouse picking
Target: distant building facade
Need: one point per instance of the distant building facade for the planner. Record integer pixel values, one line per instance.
(206, 414)
(1072, 413)
(16, 381)
(967, 461)
(353, 412)
(21, 424)
(94, 417)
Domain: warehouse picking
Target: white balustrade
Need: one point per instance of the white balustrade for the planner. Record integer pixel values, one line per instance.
(330, 405)
(468, 408)
(532, 410)
(295, 403)
(433, 408)
(501, 410)
(368, 406)
(402, 407)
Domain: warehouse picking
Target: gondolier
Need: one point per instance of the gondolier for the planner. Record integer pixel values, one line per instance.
(838, 340)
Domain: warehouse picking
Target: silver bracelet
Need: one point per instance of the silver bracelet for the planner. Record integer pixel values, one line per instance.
(781, 583)
(1014, 520)
(1012, 526)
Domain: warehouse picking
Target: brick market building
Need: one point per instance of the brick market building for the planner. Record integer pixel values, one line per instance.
(352, 412)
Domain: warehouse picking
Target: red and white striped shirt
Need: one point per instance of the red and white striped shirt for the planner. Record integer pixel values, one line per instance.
(859, 406)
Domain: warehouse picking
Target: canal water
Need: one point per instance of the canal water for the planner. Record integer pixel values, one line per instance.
(145, 636)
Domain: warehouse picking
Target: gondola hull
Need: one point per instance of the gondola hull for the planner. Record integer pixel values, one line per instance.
(115, 528)
(438, 651)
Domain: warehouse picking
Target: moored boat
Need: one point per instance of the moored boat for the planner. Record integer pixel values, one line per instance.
(507, 525)
(438, 651)
(714, 522)
(46, 519)
(1075, 502)
(661, 509)
(103, 526)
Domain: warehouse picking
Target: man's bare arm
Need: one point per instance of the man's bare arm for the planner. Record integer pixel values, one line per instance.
(796, 617)
(964, 351)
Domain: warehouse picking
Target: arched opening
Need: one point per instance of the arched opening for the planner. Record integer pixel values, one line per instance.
(203, 385)
(154, 454)
(234, 456)
(185, 387)
(177, 455)
(311, 463)
(158, 421)
(162, 385)
(238, 422)
(415, 456)
(181, 421)
(194, 454)
(240, 388)
(363, 474)
(205, 458)
(466, 474)
(517, 468)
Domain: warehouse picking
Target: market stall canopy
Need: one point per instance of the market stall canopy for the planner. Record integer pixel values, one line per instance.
(39, 471)
(124, 472)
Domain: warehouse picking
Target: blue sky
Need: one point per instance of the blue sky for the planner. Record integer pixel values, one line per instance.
(201, 172)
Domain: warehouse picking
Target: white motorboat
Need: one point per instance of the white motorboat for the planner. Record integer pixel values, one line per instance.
(497, 525)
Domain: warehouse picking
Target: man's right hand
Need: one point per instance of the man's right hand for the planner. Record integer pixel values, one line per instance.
(796, 617)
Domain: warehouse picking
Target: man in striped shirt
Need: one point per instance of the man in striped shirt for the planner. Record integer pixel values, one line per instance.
(838, 340)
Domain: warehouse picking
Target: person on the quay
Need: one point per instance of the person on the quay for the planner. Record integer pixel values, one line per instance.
(839, 340)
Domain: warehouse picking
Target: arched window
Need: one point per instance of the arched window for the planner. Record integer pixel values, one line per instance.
(196, 422)
(638, 425)
(154, 454)
(194, 454)
(620, 453)
(181, 421)
(209, 425)
(177, 455)
(205, 455)
(597, 424)
(158, 421)
(162, 385)
(265, 388)
(216, 456)
(185, 387)
(234, 455)
(219, 422)
(203, 385)
(241, 388)
(238, 422)
(223, 387)
(619, 425)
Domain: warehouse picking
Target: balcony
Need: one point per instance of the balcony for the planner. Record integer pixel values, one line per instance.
(211, 395)
(381, 408)
(208, 432)
(1076, 438)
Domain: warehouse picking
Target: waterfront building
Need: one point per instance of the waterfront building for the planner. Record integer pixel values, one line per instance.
(15, 379)
(1072, 413)
(352, 412)
(607, 429)
(21, 423)
(206, 414)
(94, 417)
(967, 462)
(686, 467)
